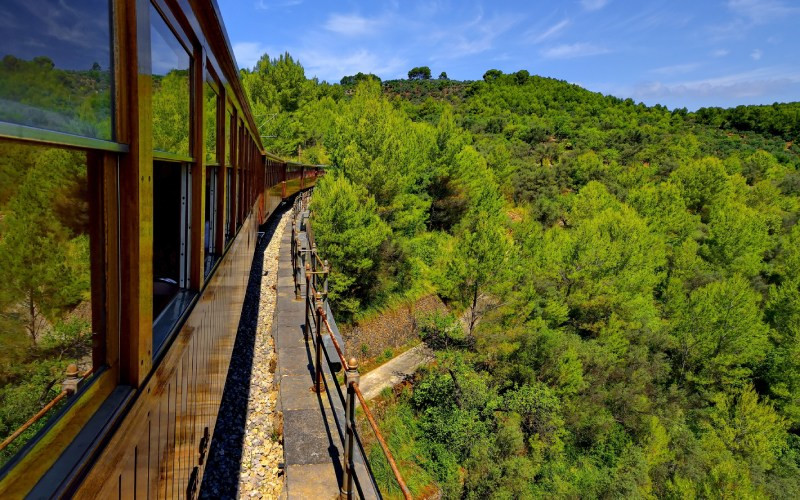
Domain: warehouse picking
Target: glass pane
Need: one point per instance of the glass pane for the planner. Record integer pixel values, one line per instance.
(56, 68)
(210, 125)
(45, 282)
(210, 218)
(168, 232)
(228, 143)
(228, 204)
(171, 101)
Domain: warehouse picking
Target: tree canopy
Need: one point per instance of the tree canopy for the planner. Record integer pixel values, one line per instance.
(622, 282)
(419, 73)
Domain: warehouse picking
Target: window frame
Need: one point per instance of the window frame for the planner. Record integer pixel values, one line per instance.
(124, 186)
(212, 196)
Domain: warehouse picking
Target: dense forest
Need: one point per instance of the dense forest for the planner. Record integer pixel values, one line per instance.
(623, 281)
(38, 94)
(45, 300)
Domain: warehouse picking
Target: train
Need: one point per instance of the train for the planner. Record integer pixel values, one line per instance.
(132, 130)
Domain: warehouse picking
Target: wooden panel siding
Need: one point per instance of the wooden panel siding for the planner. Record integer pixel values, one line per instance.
(158, 444)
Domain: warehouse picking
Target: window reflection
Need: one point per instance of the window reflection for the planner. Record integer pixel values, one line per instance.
(228, 205)
(210, 124)
(171, 101)
(210, 250)
(229, 123)
(55, 71)
(45, 280)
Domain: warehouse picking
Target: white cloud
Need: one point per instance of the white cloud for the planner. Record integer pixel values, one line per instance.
(473, 37)
(351, 24)
(756, 54)
(276, 4)
(569, 51)
(332, 65)
(720, 53)
(761, 82)
(593, 4)
(248, 53)
(551, 31)
(675, 69)
(762, 11)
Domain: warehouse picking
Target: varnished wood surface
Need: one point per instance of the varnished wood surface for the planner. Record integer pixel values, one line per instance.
(157, 446)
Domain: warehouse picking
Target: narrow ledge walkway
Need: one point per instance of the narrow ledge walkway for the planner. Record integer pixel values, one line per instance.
(313, 424)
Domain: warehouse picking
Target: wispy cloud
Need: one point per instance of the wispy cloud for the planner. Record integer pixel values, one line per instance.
(331, 65)
(748, 84)
(570, 51)
(474, 37)
(720, 52)
(675, 69)
(594, 4)
(248, 53)
(756, 54)
(352, 25)
(276, 4)
(549, 32)
(762, 11)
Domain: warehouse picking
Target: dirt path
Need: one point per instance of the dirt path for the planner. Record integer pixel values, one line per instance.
(394, 371)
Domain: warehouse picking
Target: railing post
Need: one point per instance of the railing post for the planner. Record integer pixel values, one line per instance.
(327, 270)
(294, 249)
(308, 301)
(351, 379)
(314, 277)
(317, 387)
(297, 268)
(70, 384)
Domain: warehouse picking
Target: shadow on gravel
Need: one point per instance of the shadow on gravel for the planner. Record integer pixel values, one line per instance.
(221, 477)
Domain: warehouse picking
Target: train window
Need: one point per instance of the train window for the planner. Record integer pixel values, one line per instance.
(56, 70)
(47, 221)
(229, 124)
(171, 103)
(171, 246)
(241, 164)
(210, 252)
(228, 205)
(240, 205)
(210, 124)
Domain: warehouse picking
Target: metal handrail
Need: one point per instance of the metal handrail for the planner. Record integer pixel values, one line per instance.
(49, 406)
(384, 447)
(335, 342)
(315, 301)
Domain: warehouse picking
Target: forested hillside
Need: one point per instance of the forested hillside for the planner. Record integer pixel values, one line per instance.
(623, 280)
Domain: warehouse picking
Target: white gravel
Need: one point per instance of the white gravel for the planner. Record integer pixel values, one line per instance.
(245, 452)
(259, 473)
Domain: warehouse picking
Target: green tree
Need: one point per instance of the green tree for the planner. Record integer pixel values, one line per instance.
(738, 238)
(419, 73)
(35, 269)
(349, 234)
(480, 262)
(720, 334)
(522, 76)
(492, 74)
(171, 112)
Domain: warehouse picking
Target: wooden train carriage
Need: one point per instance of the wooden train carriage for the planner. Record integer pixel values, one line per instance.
(133, 184)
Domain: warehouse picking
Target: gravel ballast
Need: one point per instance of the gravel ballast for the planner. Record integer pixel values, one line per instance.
(245, 455)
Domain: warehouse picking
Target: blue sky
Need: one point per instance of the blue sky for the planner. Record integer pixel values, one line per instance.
(677, 53)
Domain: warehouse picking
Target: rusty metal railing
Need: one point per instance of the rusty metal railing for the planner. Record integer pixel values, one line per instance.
(316, 273)
(68, 387)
